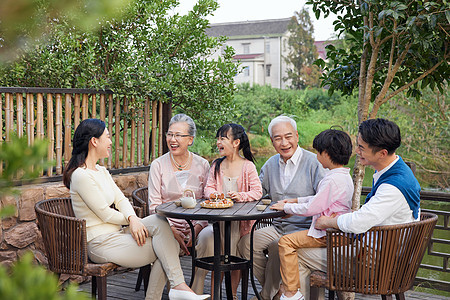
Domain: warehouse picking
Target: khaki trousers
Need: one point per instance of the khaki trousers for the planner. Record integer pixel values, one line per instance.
(287, 247)
(311, 259)
(161, 248)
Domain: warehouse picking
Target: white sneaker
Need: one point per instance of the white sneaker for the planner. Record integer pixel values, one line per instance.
(297, 296)
(185, 295)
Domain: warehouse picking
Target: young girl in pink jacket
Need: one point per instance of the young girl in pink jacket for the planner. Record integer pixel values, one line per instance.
(236, 177)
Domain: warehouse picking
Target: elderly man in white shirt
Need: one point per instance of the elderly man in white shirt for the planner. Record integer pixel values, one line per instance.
(394, 199)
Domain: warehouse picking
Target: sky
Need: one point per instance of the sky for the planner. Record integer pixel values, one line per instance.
(246, 10)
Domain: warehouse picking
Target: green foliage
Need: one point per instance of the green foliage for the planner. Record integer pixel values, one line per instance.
(145, 52)
(26, 281)
(395, 42)
(204, 145)
(255, 106)
(425, 126)
(308, 129)
(25, 20)
(20, 161)
(301, 71)
(259, 141)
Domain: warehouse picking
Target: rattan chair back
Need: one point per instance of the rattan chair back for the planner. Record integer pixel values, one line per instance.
(140, 198)
(382, 261)
(64, 236)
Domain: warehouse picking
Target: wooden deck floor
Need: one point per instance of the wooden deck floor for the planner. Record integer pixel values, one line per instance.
(121, 287)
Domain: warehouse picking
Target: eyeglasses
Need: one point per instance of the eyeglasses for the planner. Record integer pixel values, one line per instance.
(177, 136)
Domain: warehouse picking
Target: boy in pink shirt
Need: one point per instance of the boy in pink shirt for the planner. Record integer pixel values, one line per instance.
(333, 197)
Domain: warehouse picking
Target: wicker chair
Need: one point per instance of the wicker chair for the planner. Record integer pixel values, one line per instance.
(383, 261)
(140, 198)
(65, 243)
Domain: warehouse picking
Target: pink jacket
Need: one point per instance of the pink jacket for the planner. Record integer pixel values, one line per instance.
(163, 186)
(249, 187)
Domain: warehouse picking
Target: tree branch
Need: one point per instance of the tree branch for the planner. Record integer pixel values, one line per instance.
(379, 102)
(372, 41)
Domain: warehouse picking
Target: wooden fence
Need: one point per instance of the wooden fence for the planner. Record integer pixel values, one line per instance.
(54, 114)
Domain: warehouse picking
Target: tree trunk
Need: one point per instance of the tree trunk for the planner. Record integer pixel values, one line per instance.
(358, 177)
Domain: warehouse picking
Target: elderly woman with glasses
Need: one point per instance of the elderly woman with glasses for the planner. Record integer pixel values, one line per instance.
(174, 173)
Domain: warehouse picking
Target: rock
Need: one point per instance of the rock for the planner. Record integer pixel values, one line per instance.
(56, 191)
(346, 295)
(10, 200)
(39, 243)
(127, 184)
(7, 257)
(41, 258)
(27, 201)
(142, 179)
(21, 235)
(8, 223)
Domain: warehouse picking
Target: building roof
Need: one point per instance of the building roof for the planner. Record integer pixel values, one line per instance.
(273, 27)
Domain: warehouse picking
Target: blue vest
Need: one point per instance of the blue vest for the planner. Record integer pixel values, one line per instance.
(401, 176)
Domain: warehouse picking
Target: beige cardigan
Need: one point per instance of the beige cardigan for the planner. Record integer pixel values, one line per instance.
(92, 193)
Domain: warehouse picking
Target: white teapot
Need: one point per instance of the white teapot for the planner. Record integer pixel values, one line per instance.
(188, 199)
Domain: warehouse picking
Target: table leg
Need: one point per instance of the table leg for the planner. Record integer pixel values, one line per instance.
(217, 275)
(227, 253)
(252, 278)
(193, 254)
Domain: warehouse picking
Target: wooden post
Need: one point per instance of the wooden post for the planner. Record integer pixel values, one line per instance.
(94, 106)
(8, 121)
(84, 107)
(40, 134)
(110, 123)
(30, 118)
(133, 137)
(76, 111)
(164, 124)
(68, 130)
(102, 107)
(125, 134)
(139, 138)
(154, 127)
(19, 100)
(59, 138)
(50, 132)
(117, 133)
(160, 127)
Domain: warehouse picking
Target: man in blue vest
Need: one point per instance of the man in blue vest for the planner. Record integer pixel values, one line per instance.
(394, 198)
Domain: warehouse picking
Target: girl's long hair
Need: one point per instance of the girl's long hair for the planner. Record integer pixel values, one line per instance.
(87, 129)
(236, 132)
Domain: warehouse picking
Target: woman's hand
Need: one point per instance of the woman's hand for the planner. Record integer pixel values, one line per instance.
(235, 196)
(179, 236)
(138, 231)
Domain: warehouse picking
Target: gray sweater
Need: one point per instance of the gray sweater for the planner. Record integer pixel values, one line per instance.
(304, 183)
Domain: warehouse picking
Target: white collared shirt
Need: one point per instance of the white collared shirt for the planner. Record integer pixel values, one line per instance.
(289, 168)
(387, 207)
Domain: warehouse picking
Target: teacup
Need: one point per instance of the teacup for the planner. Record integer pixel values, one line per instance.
(261, 207)
(266, 201)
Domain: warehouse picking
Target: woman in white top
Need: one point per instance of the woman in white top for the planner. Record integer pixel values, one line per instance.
(118, 236)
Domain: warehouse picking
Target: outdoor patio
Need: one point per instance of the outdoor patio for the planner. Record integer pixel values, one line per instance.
(121, 286)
